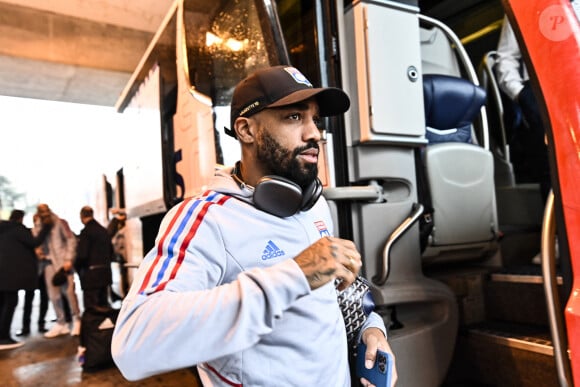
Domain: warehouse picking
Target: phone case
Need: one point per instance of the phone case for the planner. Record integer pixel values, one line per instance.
(380, 374)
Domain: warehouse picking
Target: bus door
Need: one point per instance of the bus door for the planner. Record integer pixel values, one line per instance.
(549, 31)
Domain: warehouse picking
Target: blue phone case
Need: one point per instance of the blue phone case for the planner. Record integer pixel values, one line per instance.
(380, 374)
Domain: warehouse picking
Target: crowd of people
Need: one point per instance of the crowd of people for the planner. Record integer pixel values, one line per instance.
(46, 258)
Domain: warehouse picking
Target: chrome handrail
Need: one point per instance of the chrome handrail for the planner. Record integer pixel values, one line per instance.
(551, 290)
(416, 212)
(490, 83)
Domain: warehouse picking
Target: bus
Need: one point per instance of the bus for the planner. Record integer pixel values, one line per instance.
(447, 229)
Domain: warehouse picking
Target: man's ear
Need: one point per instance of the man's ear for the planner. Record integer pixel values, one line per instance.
(244, 130)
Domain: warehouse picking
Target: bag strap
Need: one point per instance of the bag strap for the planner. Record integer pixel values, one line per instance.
(423, 197)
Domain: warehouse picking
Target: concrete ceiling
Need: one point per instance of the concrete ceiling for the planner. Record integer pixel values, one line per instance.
(81, 51)
(85, 51)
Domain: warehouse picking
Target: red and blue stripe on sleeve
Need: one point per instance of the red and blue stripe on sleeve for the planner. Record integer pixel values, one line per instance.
(173, 243)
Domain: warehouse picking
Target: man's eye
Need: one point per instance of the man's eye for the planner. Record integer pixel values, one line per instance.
(317, 122)
(294, 116)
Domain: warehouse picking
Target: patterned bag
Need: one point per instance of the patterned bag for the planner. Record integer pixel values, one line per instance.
(356, 303)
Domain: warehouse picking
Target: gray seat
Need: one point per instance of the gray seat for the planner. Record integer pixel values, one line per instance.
(459, 174)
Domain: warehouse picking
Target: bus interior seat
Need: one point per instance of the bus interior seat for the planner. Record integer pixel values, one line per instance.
(459, 174)
(451, 105)
(437, 56)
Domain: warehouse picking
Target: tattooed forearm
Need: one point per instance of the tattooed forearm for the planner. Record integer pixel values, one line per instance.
(319, 261)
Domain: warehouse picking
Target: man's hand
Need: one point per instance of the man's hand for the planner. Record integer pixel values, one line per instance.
(67, 265)
(119, 213)
(40, 253)
(375, 339)
(330, 258)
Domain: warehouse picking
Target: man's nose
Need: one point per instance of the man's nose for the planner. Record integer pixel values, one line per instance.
(312, 131)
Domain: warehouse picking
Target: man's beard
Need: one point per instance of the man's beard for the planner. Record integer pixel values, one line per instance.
(284, 162)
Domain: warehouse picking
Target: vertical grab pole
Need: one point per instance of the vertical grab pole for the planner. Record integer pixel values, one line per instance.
(551, 291)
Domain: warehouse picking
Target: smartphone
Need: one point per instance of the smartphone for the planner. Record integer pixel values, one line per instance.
(380, 374)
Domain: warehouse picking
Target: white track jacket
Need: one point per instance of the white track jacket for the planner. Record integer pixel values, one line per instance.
(220, 290)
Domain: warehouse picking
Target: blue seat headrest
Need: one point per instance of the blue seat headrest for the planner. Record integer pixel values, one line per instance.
(451, 102)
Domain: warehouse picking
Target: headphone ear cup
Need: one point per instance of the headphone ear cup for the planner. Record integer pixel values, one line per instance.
(277, 196)
(311, 194)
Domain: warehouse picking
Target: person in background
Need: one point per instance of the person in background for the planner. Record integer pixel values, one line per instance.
(18, 269)
(29, 298)
(93, 261)
(116, 231)
(239, 283)
(528, 140)
(60, 249)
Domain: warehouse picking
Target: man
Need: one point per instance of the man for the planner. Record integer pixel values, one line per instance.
(18, 269)
(116, 231)
(60, 248)
(238, 283)
(528, 140)
(93, 261)
(29, 299)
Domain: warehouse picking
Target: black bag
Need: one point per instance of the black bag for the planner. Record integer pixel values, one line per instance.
(60, 277)
(96, 333)
(424, 196)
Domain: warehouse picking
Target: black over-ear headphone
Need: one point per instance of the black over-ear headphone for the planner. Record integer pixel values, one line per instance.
(279, 196)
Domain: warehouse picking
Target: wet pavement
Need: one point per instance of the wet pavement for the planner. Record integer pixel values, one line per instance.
(53, 362)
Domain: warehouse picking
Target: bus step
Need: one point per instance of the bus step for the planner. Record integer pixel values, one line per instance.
(528, 274)
(524, 337)
(517, 296)
(502, 354)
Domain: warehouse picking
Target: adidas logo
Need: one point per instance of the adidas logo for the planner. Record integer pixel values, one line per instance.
(272, 251)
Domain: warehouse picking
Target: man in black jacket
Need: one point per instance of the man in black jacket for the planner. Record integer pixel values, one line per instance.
(18, 269)
(93, 261)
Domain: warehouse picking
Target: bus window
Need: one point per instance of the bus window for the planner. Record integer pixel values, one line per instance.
(226, 41)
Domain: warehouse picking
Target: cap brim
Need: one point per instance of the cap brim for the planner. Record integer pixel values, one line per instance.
(331, 100)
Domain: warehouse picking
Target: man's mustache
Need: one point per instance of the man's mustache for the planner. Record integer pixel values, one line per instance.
(309, 145)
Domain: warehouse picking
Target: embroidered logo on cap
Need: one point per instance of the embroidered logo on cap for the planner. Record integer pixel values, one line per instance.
(251, 106)
(298, 76)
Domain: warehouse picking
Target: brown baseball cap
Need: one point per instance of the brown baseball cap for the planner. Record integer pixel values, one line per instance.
(280, 86)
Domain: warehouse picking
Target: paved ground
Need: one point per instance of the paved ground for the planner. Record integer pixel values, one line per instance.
(45, 362)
